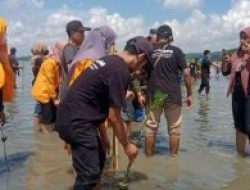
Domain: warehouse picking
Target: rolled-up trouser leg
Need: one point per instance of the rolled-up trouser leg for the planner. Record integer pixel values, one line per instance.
(174, 118)
(152, 130)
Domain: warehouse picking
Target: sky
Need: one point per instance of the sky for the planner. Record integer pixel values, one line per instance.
(197, 24)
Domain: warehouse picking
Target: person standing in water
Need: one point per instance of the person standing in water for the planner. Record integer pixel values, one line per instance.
(6, 72)
(7, 80)
(46, 86)
(194, 68)
(167, 62)
(97, 44)
(39, 51)
(76, 35)
(205, 72)
(96, 95)
(14, 63)
(238, 67)
(217, 73)
(133, 107)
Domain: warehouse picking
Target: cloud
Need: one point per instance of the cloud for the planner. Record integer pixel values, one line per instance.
(49, 28)
(38, 3)
(15, 30)
(181, 4)
(124, 27)
(17, 3)
(197, 32)
(200, 31)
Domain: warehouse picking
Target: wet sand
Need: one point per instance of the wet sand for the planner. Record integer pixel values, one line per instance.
(49, 166)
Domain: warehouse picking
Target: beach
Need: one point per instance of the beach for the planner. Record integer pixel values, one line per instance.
(207, 158)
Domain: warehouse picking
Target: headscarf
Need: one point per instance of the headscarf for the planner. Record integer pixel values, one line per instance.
(8, 88)
(56, 50)
(95, 45)
(243, 60)
(247, 31)
(39, 48)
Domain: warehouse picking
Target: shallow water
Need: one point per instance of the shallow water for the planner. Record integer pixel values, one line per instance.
(207, 158)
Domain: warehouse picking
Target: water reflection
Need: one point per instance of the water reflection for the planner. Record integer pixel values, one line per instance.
(203, 111)
(241, 176)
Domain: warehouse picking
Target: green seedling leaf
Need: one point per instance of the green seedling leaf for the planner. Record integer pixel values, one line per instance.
(158, 99)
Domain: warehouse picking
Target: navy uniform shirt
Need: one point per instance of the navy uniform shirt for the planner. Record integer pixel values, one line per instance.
(87, 102)
(165, 76)
(205, 67)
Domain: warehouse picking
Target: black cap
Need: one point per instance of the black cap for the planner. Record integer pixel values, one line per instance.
(164, 31)
(142, 45)
(76, 26)
(152, 31)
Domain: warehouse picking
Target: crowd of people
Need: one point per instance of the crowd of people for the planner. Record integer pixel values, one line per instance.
(83, 85)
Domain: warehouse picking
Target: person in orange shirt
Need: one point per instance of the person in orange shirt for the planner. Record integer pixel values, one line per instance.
(39, 51)
(6, 73)
(45, 88)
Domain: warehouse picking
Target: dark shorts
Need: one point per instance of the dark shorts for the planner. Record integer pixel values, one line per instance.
(37, 110)
(88, 158)
(48, 113)
(241, 113)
